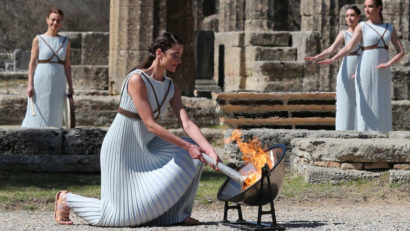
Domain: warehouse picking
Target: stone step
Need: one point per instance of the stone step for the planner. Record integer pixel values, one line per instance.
(101, 111)
(11, 75)
(290, 123)
(353, 150)
(280, 98)
(260, 53)
(278, 70)
(271, 39)
(283, 111)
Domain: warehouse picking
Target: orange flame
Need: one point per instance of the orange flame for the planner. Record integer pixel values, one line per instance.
(252, 153)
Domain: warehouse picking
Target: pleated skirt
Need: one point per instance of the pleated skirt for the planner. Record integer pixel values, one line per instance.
(144, 180)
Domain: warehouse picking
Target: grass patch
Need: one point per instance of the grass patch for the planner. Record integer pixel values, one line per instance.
(36, 191)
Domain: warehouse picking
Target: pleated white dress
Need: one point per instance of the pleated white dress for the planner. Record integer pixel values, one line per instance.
(345, 89)
(144, 179)
(373, 93)
(49, 85)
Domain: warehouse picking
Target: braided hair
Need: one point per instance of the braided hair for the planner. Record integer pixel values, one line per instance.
(380, 3)
(163, 42)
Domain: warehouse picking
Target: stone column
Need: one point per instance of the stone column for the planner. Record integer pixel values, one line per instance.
(131, 32)
(259, 15)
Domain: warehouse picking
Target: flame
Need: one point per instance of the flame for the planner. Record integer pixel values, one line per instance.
(252, 153)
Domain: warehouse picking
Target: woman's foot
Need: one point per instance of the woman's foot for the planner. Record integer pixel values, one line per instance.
(190, 221)
(61, 209)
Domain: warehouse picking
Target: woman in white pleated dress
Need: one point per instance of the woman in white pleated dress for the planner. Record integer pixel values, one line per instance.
(149, 176)
(373, 76)
(345, 85)
(49, 69)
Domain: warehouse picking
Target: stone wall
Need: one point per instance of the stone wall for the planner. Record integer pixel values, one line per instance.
(21, 20)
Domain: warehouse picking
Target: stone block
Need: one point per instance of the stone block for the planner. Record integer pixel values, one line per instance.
(327, 164)
(258, 25)
(50, 163)
(12, 109)
(351, 166)
(293, 84)
(5, 58)
(75, 56)
(74, 37)
(401, 83)
(307, 43)
(285, 136)
(376, 165)
(83, 141)
(278, 70)
(310, 83)
(21, 59)
(7, 76)
(401, 115)
(227, 39)
(273, 39)
(399, 134)
(399, 176)
(353, 150)
(95, 48)
(232, 83)
(314, 174)
(259, 53)
(31, 141)
(90, 77)
(95, 111)
(401, 166)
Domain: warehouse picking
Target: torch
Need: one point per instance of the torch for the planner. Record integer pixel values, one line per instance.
(33, 113)
(225, 169)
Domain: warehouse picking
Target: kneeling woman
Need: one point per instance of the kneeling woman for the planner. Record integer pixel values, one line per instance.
(148, 175)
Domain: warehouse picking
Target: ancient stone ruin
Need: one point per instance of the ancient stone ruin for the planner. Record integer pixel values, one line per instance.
(243, 63)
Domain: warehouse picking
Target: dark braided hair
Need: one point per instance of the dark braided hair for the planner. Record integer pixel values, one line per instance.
(163, 42)
(379, 3)
(355, 8)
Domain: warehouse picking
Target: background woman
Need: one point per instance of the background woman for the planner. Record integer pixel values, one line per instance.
(148, 175)
(345, 85)
(49, 69)
(373, 77)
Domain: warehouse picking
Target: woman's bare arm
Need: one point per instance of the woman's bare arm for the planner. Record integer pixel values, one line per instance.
(328, 51)
(190, 127)
(357, 36)
(399, 48)
(32, 67)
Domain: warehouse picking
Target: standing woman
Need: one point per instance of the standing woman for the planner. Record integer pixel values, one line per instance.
(148, 175)
(345, 85)
(373, 77)
(49, 69)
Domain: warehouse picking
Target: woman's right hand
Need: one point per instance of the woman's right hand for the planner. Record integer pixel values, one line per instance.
(30, 91)
(195, 152)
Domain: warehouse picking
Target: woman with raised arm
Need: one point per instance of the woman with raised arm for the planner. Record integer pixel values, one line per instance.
(148, 175)
(373, 77)
(49, 68)
(345, 85)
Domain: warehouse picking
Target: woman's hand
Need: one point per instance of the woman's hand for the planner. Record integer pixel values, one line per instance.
(326, 61)
(30, 91)
(211, 152)
(309, 58)
(195, 152)
(382, 65)
(70, 92)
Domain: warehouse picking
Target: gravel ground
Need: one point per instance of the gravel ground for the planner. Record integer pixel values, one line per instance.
(315, 217)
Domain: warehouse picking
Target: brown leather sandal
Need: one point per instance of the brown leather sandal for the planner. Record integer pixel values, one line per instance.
(189, 221)
(61, 212)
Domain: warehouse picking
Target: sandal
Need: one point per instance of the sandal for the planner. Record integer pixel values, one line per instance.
(61, 212)
(189, 221)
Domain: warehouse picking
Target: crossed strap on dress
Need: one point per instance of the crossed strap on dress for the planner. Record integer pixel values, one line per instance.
(356, 52)
(54, 53)
(134, 115)
(375, 46)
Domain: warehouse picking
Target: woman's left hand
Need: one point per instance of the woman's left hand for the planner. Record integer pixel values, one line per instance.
(70, 91)
(211, 152)
(382, 65)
